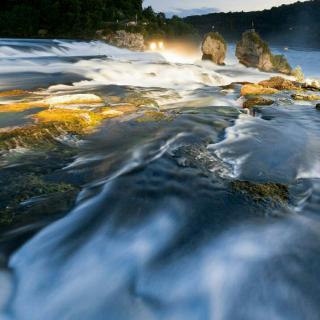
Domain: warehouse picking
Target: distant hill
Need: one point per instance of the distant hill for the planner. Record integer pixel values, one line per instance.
(296, 24)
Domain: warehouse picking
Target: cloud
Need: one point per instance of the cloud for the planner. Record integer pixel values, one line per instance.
(190, 12)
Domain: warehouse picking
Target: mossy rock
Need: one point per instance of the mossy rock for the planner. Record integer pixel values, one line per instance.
(251, 36)
(24, 187)
(43, 135)
(275, 192)
(281, 64)
(257, 101)
(83, 118)
(216, 36)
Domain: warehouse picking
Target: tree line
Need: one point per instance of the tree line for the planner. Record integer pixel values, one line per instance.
(82, 18)
(295, 24)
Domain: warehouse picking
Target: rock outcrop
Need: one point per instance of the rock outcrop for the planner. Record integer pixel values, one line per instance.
(214, 48)
(252, 51)
(127, 40)
(279, 83)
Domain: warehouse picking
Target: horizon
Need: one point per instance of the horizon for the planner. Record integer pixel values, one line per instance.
(202, 7)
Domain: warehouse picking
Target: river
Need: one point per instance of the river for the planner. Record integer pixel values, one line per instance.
(157, 230)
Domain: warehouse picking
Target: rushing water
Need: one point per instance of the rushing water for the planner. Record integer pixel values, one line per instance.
(157, 231)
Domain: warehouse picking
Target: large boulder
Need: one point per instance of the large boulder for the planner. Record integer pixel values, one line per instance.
(214, 48)
(252, 51)
(127, 40)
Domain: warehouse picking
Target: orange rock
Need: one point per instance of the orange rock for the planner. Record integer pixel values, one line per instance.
(256, 89)
(279, 83)
(21, 106)
(12, 93)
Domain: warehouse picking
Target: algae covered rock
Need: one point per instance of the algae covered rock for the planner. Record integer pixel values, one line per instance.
(214, 48)
(275, 192)
(252, 51)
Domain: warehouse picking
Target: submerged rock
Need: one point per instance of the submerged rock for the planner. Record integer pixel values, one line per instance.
(154, 116)
(37, 136)
(31, 198)
(318, 106)
(252, 51)
(263, 191)
(257, 101)
(214, 48)
(127, 40)
(256, 89)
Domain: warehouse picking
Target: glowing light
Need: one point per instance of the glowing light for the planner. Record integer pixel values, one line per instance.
(153, 46)
(161, 45)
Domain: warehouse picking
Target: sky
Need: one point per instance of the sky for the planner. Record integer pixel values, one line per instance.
(189, 7)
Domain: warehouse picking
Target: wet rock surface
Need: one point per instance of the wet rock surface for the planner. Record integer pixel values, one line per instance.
(263, 191)
(252, 51)
(127, 40)
(256, 89)
(257, 101)
(214, 48)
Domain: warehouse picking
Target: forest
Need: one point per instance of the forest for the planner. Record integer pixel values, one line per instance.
(296, 24)
(82, 18)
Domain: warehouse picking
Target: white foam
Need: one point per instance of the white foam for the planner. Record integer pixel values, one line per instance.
(72, 98)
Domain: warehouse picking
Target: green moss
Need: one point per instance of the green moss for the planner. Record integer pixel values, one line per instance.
(42, 135)
(57, 197)
(251, 36)
(217, 36)
(266, 191)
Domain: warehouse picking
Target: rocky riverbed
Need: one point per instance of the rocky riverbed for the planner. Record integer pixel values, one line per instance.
(137, 185)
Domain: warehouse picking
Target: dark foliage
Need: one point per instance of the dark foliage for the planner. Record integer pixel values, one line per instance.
(295, 24)
(82, 18)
